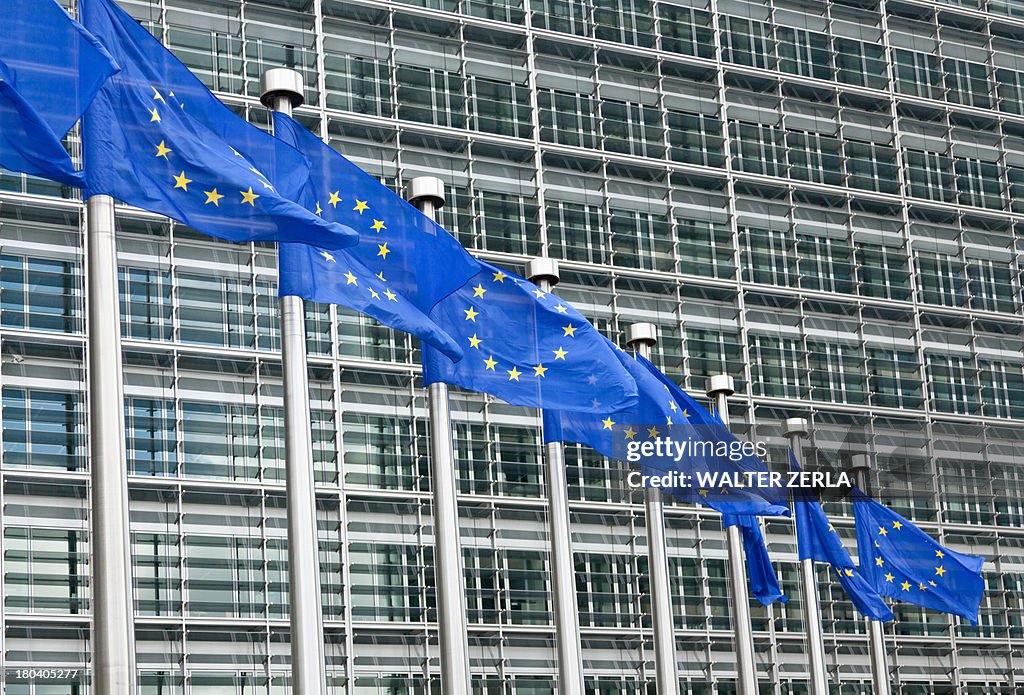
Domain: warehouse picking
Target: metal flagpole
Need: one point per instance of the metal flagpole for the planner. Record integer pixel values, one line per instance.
(641, 336)
(113, 625)
(427, 194)
(861, 468)
(720, 387)
(796, 429)
(281, 89)
(544, 272)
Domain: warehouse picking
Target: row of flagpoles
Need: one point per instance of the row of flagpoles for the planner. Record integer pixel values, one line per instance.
(152, 130)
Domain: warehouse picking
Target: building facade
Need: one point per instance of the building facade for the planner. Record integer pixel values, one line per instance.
(824, 200)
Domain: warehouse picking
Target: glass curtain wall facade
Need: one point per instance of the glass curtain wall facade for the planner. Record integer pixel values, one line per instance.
(822, 199)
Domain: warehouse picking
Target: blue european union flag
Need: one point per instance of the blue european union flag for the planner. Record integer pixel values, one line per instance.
(50, 69)
(662, 409)
(601, 431)
(343, 276)
(760, 499)
(527, 347)
(155, 137)
(817, 540)
(420, 260)
(764, 583)
(903, 562)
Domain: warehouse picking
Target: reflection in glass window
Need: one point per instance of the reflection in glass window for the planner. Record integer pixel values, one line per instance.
(567, 118)
(150, 428)
(219, 440)
(46, 570)
(145, 304)
(43, 429)
(41, 294)
(431, 95)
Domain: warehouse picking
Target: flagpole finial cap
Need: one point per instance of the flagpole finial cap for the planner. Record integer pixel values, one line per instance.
(282, 82)
(428, 188)
(721, 383)
(860, 466)
(795, 427)
(538, 269)
(641, 334)
(860, 462)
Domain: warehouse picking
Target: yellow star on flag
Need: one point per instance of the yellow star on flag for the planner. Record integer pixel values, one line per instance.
(479, 291)
(249, 197)
(905, 586)
(560, 353)
(672, 406)
(351, 278)
(383, 250)
(608, 423)
(391, 295)
(157, 97)
(889, 577)
(327, 256)
(561, 309)
(471, 314)
(882, 530)
(154, 116)
(940, 570)
(539, 370)
(360, 206)
(652, 432)
(668, 420)
(334, 199)
(377, 226)
(630, 433)
(513, 374)
(182, 181)
(162, 150)
(500, 277)
(474, 341)
(381, 276)
(213, 197)
(491, 363)
(849, 572)
(897, 525)
(373, 293)
(318, 208)
(879, 561)
(570, 330)
(922, 587)
(538, 294)
(939, 553)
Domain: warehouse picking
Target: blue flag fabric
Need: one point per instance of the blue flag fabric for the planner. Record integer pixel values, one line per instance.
(663, 408)
(766, 500)
(50, 69)
(337, 277)
(817, 540)
(903, 562)
(527, 347)
(764, 583)
(420, 260)
(400, 250)
(155, 137)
